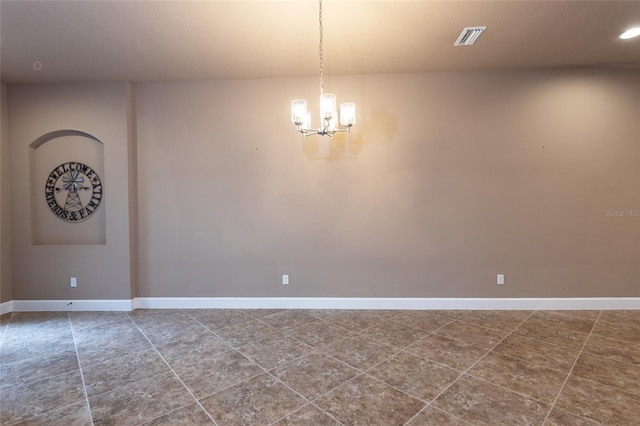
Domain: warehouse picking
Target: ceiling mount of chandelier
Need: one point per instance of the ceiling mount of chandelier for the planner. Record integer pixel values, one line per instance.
(301, 117)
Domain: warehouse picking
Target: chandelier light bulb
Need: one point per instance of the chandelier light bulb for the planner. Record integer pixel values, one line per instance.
(306, 120)
(298, 111)
(327, 106)
(348, 114)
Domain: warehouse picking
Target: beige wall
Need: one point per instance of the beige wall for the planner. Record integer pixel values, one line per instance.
(451, 179)
(103, 270)
(458, 177)
(6, 293)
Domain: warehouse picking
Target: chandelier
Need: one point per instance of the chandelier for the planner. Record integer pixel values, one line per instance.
(301, 117)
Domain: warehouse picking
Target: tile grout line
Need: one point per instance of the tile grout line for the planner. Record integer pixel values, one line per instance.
(37, 381)
(258, 365)
(408, 346)
(563, 317)
(172, 371)
(524, 395)
(555, 401)
(550, 343)
(365, 372)
(480, 359)
(449, 414)
(78, 330)
(427, 403)
(612, 360)
(84, 386)
(398, 350)
(4, 330)
(322, 351)
(349, 333)
(594, 422)
(4, 333)
(526, 360)
(308, 401)
(500, 341)
(162, 415)
(434, 332)
(542, 402)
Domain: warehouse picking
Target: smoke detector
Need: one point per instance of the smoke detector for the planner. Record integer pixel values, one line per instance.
(469, 35)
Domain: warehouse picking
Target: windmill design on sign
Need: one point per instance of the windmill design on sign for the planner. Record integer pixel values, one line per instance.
(72, 182)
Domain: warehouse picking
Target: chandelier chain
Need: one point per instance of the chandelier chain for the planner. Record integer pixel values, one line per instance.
(320, 48)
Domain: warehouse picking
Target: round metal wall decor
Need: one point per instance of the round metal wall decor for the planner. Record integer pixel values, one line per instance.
(73, 191)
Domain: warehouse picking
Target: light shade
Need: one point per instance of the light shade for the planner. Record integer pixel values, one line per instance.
(327, 106)
(633, 32)
(348, 114)
(306, 120)
(298, 111)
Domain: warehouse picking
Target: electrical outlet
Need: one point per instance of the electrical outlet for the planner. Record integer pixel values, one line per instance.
(74, 282)
(500, 279)
(285, 280)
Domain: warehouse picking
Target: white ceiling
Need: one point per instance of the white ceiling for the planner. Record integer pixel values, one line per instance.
(193, 40)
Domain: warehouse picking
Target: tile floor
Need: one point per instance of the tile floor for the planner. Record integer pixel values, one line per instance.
(316, 367)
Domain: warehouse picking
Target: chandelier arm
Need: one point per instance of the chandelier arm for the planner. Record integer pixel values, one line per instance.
(322, 131)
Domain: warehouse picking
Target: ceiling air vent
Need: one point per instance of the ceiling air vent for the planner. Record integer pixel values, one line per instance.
(469, 35)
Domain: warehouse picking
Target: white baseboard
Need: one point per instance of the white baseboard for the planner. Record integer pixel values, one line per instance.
(586, 303)
(387, 303)
(6, 307)
(72, 305)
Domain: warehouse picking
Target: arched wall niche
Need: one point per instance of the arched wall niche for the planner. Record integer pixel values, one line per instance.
(46, 154)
